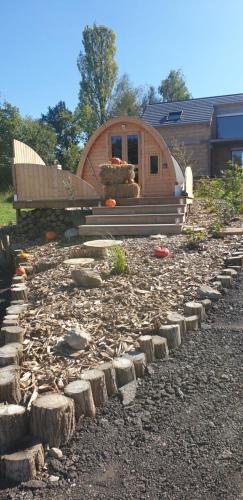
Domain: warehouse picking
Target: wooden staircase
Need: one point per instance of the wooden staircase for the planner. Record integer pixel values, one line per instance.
(144, 217)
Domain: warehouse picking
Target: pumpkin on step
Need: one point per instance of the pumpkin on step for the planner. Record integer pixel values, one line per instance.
(51, 235)
(162, 252)
(116, 161)
(110, 203)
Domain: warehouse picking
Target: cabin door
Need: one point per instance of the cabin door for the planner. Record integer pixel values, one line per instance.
(127, 147)
(153, 179)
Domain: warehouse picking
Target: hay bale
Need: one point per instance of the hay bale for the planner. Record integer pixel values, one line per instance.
(122, 191)
(116, 174)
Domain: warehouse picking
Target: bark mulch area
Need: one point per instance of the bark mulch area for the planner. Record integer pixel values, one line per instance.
(114, 314)
(178, 440)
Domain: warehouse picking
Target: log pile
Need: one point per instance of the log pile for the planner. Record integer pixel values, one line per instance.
(35, 223)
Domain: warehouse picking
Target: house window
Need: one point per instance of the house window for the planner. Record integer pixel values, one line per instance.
(230, 127)
(116, 146)
(174, 116)
(237, 156)
(154, 164)
(132, 149)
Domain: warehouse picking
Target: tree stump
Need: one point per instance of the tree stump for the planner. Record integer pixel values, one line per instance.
(234, 261)
(11, 334)
(195, 308)
(10, 384)
(18, 279)
(230, 272)
(235, 268)
(147, 346)
(172, 335)
(97, 380)
(206, 304)
(125, 371)
(11, 354)
(16, 310)
(19, 292)
(139, 361)
(52, 419)
(13, 426)
(177, 319)
(99, 248)
(227, 281)
(160, 347)
(110, 377)
(9, 322)
(23, 465)
(191, 322)
(80, 391)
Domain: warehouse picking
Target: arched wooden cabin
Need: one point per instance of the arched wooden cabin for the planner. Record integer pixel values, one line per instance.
(136, 142)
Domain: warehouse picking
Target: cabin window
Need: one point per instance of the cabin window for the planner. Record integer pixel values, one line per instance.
(237, 156)
(116, 146)
(154, 164)
(132, 149)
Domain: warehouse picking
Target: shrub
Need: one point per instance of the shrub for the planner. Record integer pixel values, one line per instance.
(119, 260)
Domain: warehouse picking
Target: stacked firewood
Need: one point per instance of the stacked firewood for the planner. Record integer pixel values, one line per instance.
(36, 223)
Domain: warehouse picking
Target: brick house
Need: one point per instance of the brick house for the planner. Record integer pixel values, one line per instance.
(211, 129)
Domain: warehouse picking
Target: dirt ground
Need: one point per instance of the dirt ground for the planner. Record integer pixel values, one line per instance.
(179, 439)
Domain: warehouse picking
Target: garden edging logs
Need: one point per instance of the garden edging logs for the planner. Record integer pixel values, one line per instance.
(50, 418)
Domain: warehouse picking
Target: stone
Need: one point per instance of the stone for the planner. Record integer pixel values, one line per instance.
(34, 484)
(79, 261)
(158, 237)
(71, 233)
(55, 453)
(77, 338)
(207, 292)
(86, 278)
(53, 479)
(127, 392)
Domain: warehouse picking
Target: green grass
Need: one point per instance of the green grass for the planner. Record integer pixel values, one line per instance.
(7, 212)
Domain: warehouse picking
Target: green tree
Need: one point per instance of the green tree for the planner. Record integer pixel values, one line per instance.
(67, 128)
(126, 99)
(38, 136)
(9, 125)
(150, 97)
(98, 70)
(174, 88)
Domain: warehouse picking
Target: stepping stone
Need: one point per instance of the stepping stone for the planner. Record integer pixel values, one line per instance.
(81, 261)
(99, 248)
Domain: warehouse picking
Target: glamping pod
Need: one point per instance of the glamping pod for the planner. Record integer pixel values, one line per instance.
(136, 142)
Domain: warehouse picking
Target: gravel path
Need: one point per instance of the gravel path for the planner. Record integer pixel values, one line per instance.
(180, 439)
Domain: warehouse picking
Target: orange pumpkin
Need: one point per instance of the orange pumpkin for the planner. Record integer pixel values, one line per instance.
(162, 252)
(116, 161)
(51, 235)
(110, 203)
(20, 271)
(24, 256)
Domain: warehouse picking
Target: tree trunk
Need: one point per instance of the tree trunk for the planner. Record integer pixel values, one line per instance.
(147, 346)
(195, 308)
(11, 354)
(23, 465)
(97, 380)
(13, 426)
(52, 419)
(11, 334)
(139, 361)
(160, 347)
(192, 322)
(177, 319)
(125, 371)
(10, 384)
(172, 335)
(110, 377)
(80, 391)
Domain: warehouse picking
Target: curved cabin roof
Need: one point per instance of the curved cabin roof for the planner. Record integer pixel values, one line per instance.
(120, 120)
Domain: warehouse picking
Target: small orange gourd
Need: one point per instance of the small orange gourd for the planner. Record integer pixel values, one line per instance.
(24, 256)
(20, 271)
(110, 203)
(51, 235)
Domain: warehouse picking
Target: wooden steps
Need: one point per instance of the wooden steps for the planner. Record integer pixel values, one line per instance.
(140, 209)
(137, 217)
(128, 229)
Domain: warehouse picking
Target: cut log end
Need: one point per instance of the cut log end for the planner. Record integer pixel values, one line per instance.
(80, 391)
(10, 384)
(125, 371)
(172, 335)
(146, 346)
(110, 377)
(23, 465)
(160, 347)
(13, 426)
(139, 361)
(97, 380)
(195, 308)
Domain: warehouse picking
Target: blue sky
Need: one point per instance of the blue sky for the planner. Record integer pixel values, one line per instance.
(40, 41)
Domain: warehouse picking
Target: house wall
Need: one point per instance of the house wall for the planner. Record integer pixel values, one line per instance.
(221, 154)
(100, 152)
(196, 140)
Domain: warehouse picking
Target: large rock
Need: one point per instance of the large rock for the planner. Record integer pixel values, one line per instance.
(77, 338)
(86, 278)
(71, 233)
(207, 292)
(127, 392)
